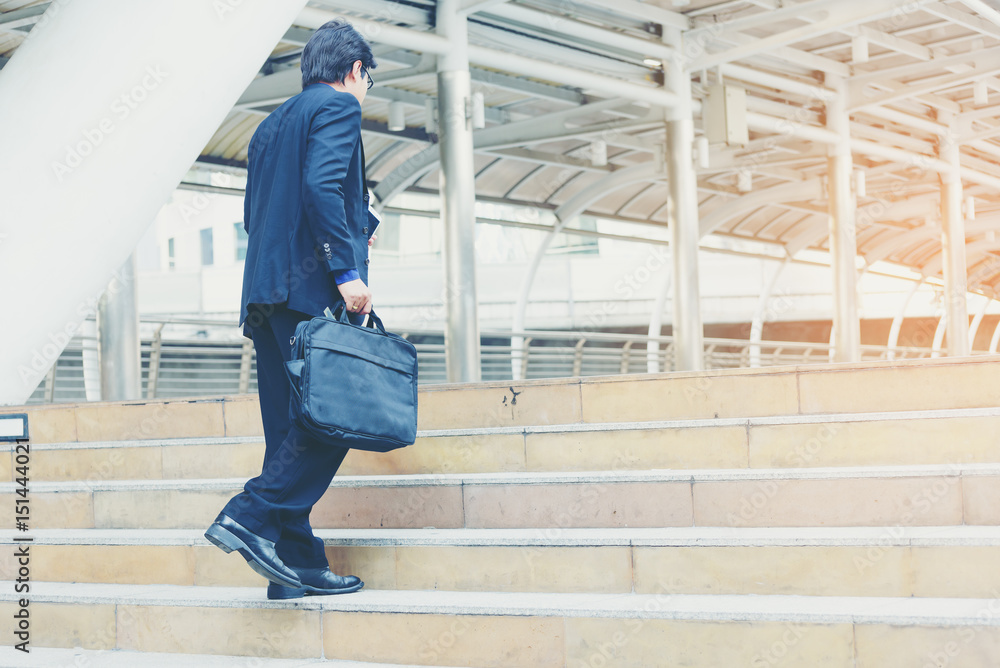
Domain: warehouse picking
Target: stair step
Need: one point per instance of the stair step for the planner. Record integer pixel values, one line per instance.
(797, 441)
(512, 629)
(48, 657)
(865, 561)
(727, 393)
(889, 536)
(835, 515)
(930, 495)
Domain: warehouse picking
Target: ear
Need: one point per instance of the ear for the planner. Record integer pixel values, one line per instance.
(356, 70)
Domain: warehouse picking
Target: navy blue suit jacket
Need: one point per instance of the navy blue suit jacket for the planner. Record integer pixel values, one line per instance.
(306, 203)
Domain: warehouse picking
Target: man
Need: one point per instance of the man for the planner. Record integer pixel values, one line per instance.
(306, 212)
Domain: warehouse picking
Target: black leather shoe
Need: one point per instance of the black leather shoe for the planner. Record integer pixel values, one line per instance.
(315, 582)
(227, 534)
(276, 592)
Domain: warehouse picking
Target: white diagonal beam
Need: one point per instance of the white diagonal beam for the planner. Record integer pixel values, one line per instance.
(964, 19)
(845, 14)
(645, 11)
(984, 10)
(921, 88)
(796, 56)
(890, 41)
(913, 70)
(473, 6)
(788, 11)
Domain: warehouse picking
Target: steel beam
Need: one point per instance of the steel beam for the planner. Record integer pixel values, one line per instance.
(656, 324)
(760, 314)
(897, 322)
(118, 336)
(550, 127)
(564, 214)
(646, 11)
(977, 321)
(953, 267)
(458, 197)
(843, 240)
(426, 42)
(682, 219)
(841, 15)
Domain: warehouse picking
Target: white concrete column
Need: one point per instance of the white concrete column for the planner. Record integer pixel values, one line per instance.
(682, 218)
(118, 336)
(956, 310)
(105, 106)
(846, 333)
(458, 197)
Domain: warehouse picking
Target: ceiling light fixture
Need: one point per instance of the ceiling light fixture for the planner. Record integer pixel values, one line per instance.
(397, 116)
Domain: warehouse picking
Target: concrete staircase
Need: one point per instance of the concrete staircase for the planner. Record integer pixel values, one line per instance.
(797, 516)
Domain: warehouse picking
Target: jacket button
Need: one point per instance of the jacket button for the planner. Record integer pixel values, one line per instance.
(365, 230)
(366, 197)
(367, 260)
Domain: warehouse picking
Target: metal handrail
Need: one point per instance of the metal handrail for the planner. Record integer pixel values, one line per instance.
(196, 367)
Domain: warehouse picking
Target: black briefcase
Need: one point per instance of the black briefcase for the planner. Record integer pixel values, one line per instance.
(352, 385)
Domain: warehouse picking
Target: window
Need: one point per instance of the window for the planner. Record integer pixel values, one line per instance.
(171, 255)
(207, 255)
(241, 241)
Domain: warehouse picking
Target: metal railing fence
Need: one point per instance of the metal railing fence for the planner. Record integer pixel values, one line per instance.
(176, 363)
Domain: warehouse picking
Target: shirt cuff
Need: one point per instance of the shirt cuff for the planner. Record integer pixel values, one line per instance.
(345, 276)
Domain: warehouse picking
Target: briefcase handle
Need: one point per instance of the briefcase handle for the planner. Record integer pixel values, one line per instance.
(374, 322)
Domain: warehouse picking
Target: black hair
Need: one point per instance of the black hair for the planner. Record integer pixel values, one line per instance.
(330, 53)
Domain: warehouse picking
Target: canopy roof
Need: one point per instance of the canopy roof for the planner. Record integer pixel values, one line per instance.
(557, 75)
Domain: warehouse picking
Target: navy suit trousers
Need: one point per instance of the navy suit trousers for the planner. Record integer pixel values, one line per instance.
(297, 468)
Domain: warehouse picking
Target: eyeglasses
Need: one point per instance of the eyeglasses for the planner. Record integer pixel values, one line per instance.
(369, 76)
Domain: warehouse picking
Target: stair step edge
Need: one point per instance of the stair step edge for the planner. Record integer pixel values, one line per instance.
(541, 477)
(48, 657)
(889, 536)
(686, 607)
(575, 427)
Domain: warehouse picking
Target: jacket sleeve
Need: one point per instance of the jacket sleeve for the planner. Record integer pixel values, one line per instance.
(333, 136)
(246, 203)
(252, 165)
(349, 275)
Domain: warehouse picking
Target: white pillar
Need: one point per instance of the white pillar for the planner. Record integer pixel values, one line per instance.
(458, 197)
(95, 138)
(118, 336)
(956, 311)
(682, 218)
(846, 333)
